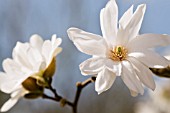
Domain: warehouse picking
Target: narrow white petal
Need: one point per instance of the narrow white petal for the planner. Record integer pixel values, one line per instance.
(143, 73)
(11, 67)
(20, 54)
(35, 58)
(114, 66)
(12, 101)
(150, 58)
(15, 96)
(108, 21)
(13, 82)
(104, 80)
(130, 79)
(92, 66)
(46, 50)
(125, 19)
(36, 41)
(56, 51)
(148, 41)
(122, 34)
(135, 23)
(55, 41)
(50, 49)
(17, 93)
(87, 43)
(122, 37)
(9, 104)
(3, 78)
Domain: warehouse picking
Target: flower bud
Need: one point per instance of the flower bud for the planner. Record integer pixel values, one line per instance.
(31, 85)
(33, 95)
(49, 72)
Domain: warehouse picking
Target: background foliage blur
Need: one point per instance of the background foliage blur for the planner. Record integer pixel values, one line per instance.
(20, 19)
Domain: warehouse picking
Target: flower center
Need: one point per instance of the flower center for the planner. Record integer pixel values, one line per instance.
(119, 53)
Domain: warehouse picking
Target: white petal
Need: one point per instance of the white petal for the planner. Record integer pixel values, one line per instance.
(12, 101)
(130, 79)
(148, 41)
(20, 54)
(122, 37)
(55, 41)
(150, 58)
(92, 66)
(108, 21)
(13, 82)
(104, 80)
(114, 66)
(46, 50)
(56, 51)
(35, 58)
(3, 79)
(87, 43)
(9, 104)
(36, 41)
(143, 72)
(11, 67)
(122, 34)
(125, 19)
(17, 93)
(135, 23)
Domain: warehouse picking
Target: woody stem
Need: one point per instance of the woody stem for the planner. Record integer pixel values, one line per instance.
(63, 101)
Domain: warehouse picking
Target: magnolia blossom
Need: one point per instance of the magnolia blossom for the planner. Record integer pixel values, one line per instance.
(121, 51)
(30, 63)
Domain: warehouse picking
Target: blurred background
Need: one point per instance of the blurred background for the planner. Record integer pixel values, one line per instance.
(19, 19)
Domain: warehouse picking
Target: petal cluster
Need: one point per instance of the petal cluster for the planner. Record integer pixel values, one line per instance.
(121, 51)
(29, 62)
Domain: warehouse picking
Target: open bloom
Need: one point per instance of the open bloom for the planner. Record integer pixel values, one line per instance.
(31, 65)
(121, 51)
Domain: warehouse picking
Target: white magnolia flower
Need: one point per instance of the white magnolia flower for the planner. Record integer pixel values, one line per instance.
(121, 51)
(30, 61)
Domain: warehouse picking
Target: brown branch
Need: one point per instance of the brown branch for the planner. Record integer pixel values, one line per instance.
(80, 86)
(63, 102)
(54, 91)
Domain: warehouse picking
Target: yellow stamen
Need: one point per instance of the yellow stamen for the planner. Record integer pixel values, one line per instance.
(119, 53)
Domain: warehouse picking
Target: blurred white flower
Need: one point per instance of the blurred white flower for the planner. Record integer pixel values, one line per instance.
(121, 51)
(158, 101)
(30, 63)
(145, 107)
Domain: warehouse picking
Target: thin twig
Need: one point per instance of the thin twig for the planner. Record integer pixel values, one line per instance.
(54, 91)
(49, 97)
(80, 86)
(57, 98)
